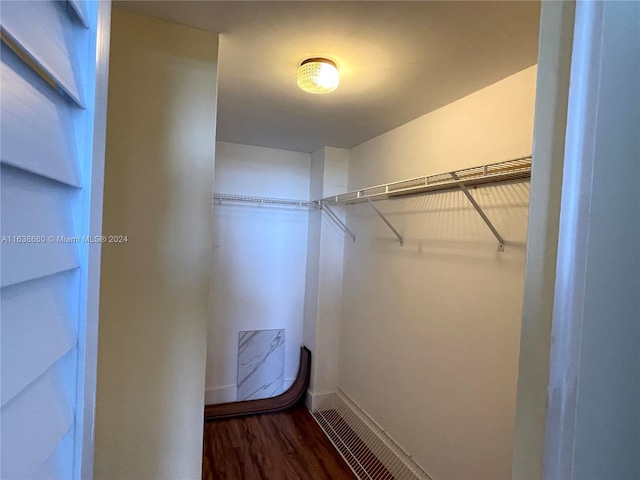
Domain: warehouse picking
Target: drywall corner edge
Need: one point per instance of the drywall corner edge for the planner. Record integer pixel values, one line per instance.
(552, 96)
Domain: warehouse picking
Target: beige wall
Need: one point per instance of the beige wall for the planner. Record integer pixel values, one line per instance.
(154, 303)
(430, 330)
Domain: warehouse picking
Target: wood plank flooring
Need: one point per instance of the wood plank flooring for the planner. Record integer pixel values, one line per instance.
(280, 446)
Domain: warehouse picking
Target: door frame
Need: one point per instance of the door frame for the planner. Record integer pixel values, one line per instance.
(564, 156)
(95, 118)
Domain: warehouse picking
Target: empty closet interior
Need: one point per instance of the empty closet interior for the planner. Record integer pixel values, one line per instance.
(399, 261)
(383, 225)
(421, 333)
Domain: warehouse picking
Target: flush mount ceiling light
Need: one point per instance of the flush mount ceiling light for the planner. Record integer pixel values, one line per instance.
(318, 75)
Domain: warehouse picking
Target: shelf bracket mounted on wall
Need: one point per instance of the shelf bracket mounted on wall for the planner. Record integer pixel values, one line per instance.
(337, 221)
(381, 215)
(465, 190)
(492, 173)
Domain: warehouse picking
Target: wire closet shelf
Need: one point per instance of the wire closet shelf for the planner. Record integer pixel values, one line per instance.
(264, 200)
(509, 170)
(515, 169)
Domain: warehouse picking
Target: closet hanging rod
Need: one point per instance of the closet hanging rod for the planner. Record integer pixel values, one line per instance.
(264, 200)
(515, 169)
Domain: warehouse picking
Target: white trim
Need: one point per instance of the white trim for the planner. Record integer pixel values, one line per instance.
(571, 268)
(96, 118)
(313, 400)
(224, 394)
(552, 92)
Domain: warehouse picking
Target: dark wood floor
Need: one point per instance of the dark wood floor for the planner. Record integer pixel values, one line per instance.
(279, 446)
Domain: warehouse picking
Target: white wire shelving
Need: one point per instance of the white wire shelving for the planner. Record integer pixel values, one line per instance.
(263, 200)
(510, 170)
(492, 173)
(518, 168)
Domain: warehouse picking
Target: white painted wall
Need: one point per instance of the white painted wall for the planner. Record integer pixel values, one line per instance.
(316, 187)
(430, 331)
(323, 293)
(259, 259)
(155, 303)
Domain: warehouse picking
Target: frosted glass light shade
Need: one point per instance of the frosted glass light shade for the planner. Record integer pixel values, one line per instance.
(318, 75)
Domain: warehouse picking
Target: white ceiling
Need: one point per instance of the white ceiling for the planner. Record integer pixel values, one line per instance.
(398, 61)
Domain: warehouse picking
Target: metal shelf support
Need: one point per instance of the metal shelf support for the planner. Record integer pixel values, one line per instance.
(381, 215)
(465, 190)
(337, 221)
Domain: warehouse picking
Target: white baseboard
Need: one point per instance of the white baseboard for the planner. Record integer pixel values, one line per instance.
(229, 393)
(225, 394)
(313, 400)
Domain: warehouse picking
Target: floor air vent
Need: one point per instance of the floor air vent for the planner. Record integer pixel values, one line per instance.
(369, 451)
